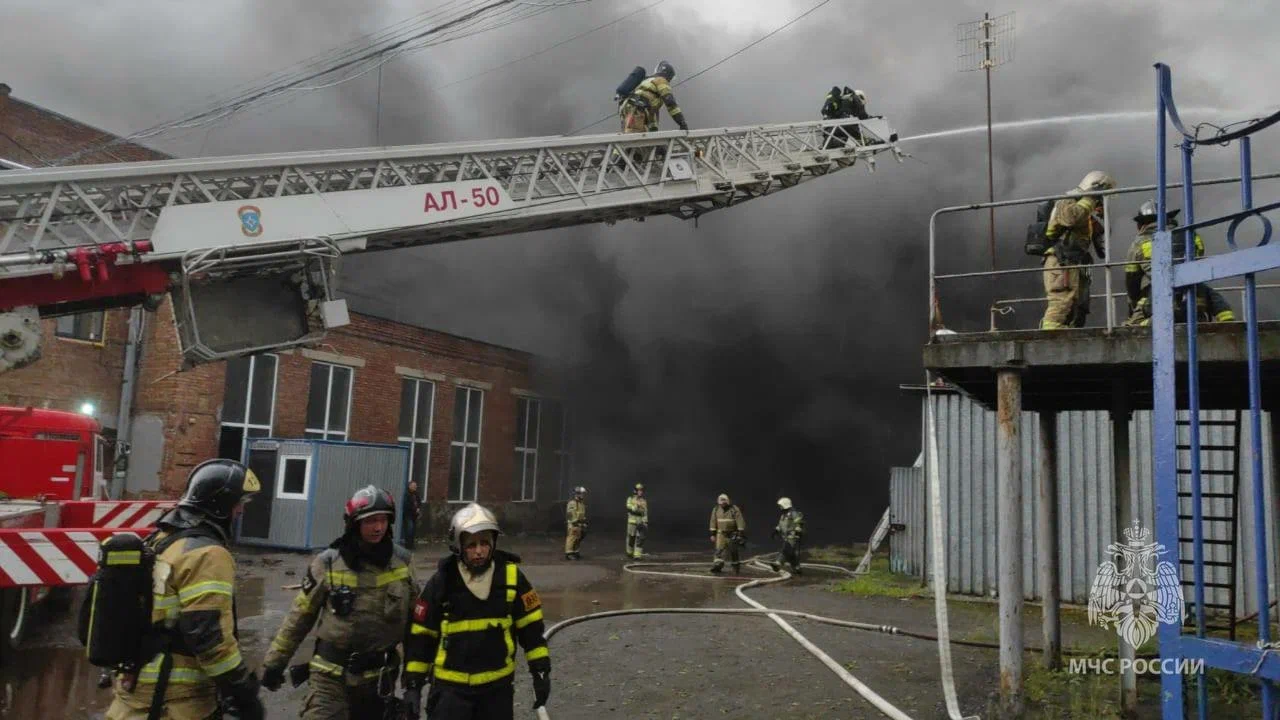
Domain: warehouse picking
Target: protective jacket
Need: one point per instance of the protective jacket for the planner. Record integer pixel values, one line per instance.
(727, 520)
(575, 512)
(791, 525)
(650, 96)
(637, 510)
(1075, 231)
(459, 639)
(359, 605)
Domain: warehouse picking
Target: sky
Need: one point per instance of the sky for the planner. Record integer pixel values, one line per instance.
(759, 353)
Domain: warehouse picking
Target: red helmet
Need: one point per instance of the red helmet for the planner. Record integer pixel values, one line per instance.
(367, 502)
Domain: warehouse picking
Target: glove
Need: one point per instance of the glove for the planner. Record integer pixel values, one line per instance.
(240, 688)
(411, 701)
(272, 678)
(684, 124)
(541, 687)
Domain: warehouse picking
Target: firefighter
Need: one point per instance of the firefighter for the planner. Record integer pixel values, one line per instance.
(790, 528)
(466, 623)
(360, 591)
(1075, 227)
(637, 522)
(1210, 305)
(197, 659)
(728, 532)
(575, 518)
(640, 111)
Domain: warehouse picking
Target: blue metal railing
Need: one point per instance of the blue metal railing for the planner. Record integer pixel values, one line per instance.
(1262, 659)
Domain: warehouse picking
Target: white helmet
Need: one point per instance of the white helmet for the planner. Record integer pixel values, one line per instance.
(862, 97)
(473, 518)
(579, 490)
(784, 503)
(1095, 181)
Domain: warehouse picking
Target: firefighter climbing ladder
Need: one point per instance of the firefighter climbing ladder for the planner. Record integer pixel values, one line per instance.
(1219, 500)
(1170, 284)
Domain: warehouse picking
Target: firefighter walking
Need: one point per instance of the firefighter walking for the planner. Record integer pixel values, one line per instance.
(728, 532)
(637, 522)
(466, 623)
(575, 518)
(194, 655)
(790, 529)
(357, 594)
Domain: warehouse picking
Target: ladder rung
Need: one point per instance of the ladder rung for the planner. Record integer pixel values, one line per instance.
(1209, 495)
(1210, 447)
(1207, 541)
(1208, 563)
(1219, 606)
(1208, 472)
(1219, 423)
(1208, 518)
(1192, 583)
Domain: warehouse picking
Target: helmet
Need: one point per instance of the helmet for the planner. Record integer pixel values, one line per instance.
(473, 518)
(862, 97)
(665, 70)
(784, 503)
(639, 487)
(367, 502)
(723, 498)
(579, 490)
(1095, 181)
(1147, 213)
(216, 487)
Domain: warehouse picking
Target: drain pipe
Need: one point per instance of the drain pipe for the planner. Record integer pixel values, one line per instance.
(124, 419)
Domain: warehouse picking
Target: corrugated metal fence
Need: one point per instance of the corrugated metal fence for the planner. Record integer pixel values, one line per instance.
(967, 463)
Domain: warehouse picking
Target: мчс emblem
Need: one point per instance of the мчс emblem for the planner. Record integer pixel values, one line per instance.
(1134, 592)
(250, 220)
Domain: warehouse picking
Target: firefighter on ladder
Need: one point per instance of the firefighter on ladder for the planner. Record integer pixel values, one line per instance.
(197, 666)
(359, 591)
(641, 109)
(466, 623)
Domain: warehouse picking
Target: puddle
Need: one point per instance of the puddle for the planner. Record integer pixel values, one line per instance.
(51, 682)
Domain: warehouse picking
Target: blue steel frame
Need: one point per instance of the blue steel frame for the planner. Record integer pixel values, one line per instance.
(1261, 660)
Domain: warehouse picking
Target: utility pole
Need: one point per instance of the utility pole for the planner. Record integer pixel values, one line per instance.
(985, 44)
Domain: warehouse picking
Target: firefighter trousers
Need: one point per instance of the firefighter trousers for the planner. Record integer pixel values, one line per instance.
(446, 702)
(330, 698)
(790, 554)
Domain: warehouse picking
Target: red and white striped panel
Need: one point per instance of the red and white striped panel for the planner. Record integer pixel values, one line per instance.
(111, 513)
(52, 557)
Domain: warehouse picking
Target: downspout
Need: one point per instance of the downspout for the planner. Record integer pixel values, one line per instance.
(124, 420)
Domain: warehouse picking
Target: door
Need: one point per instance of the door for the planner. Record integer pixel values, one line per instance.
(256, 520)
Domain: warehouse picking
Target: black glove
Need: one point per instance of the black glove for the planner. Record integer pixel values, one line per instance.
(272, 678)
(240, 688)
(541, 687)
(684, 124)
(412, 703)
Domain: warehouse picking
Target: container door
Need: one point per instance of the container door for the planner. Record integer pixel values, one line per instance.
(256, 520)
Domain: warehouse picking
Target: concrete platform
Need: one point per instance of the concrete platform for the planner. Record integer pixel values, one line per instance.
(1075, 369)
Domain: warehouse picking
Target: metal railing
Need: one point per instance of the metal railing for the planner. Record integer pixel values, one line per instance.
(1106, 265)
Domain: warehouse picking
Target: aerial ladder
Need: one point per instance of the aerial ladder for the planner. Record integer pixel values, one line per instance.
(260, 236)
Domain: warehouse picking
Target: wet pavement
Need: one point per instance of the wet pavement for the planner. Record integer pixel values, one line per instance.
(629, 667)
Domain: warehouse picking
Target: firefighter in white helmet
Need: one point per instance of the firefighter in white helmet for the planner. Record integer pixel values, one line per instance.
(790, 528)
(465, 625)
(1075, 228)
(575, 518)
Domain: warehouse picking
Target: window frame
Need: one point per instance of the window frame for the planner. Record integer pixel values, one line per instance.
(281, 478)
(523, 450)
(455, 442)
(102, 328)
(245, 426)
(413, 439)
(309, 433)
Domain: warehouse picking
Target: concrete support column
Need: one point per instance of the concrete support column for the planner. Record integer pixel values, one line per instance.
(1125, 515)
(1009, 512)
(1047, 537)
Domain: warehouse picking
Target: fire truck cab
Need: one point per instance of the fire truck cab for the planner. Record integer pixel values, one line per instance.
(51, 455)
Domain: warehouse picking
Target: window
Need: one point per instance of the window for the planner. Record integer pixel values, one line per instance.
(328, 402)
(464, 451)
(559, 452)
(85, 326)
(248, 403)
(527, 415)
(417, 400)
(295, 477)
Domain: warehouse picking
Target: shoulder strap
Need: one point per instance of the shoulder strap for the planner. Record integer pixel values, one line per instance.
(161, 545)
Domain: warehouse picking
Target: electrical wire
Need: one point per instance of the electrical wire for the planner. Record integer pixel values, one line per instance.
(725, 59)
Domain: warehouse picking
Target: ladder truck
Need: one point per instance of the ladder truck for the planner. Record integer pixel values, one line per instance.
(248, 249)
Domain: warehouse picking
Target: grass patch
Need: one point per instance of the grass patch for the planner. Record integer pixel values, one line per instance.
(835, 554)
(880, 582)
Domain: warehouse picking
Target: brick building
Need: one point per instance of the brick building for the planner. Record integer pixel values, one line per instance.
(476, 428)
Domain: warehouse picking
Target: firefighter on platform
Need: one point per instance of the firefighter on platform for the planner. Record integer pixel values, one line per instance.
(637, 522)
(640, 111)
(466, 623)
(357, 594)
(790, 528)
(575, 518)
(197, 659)
(1210, 305)
(1075, 228)
(728, 532)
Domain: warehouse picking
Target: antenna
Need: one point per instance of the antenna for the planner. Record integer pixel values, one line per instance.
(985, 44)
